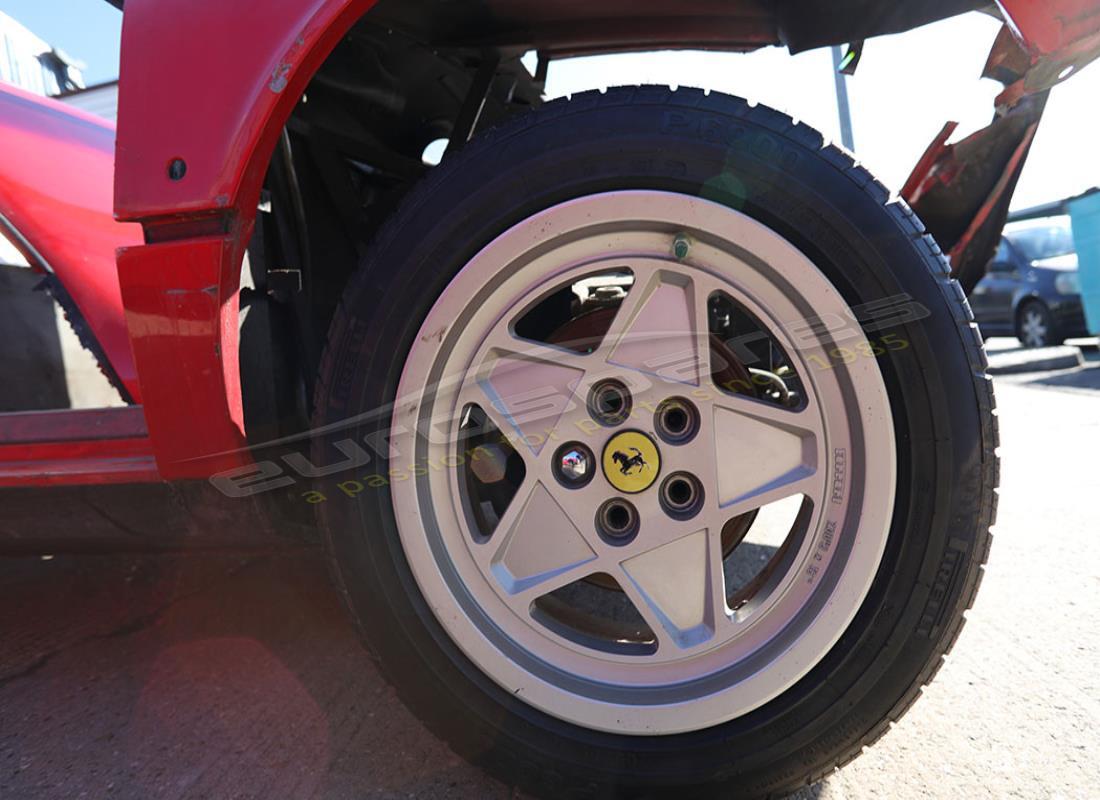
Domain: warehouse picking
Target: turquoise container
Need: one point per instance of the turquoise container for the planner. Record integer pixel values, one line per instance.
(1084, 213)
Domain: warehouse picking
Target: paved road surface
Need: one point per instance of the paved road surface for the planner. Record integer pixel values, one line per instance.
(237, 676)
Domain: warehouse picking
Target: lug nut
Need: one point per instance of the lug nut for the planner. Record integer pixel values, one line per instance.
(617, 521)
(681, 495)
(676, 420)
(609, 402)
(574, 465)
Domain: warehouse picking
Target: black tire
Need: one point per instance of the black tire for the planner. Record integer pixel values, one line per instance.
(1037, 309)
(871, 246)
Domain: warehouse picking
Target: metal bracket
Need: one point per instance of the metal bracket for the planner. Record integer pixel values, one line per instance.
(468, 116)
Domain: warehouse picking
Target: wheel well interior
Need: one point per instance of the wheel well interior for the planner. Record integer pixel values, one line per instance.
(413, 72)
(352, 148)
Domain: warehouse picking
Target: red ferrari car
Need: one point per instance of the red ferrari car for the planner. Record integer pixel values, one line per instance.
(648, 435)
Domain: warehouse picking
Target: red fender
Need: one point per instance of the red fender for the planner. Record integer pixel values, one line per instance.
(55, 179)
(210, 84)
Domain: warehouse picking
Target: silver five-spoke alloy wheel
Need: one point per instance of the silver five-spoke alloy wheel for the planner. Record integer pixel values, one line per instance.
(708, 662)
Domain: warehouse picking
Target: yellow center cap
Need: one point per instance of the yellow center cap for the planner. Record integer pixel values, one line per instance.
(631, 461)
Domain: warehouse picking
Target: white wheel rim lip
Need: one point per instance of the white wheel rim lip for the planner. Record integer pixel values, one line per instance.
(636, 707)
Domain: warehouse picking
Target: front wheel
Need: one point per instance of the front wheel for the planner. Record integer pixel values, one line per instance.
(684, 466)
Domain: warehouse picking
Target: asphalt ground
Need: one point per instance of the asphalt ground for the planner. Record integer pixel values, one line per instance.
(238, 675)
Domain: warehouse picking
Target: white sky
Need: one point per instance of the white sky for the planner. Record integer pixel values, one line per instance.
(906, 87)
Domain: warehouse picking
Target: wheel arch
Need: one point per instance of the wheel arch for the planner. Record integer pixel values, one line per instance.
(221, 115)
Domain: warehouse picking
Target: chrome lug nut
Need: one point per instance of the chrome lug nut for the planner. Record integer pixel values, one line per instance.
(574, 465)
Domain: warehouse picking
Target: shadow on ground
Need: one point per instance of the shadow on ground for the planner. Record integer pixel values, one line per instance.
(201, 676)
(1084, 378)
(207, 676)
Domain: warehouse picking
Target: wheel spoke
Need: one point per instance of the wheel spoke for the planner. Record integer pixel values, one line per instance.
(539, 542)
(504, 342)
(700, 298)
(658, 329)
(525, 395)
(474, 394)
(762, 453)
(809, 484)
(672, 587)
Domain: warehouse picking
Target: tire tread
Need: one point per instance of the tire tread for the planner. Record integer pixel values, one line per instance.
(802, 136)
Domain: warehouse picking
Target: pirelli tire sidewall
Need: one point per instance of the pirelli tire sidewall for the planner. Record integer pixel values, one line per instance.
(870, 246)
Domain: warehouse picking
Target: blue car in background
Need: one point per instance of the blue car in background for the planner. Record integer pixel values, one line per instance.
(1031, 289)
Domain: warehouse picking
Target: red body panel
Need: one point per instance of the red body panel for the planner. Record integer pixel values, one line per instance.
(181, 307)
(221, 115)
(56, 166)
(211, 83)
(1054, 25)
(96, 446)
(1053, 40)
